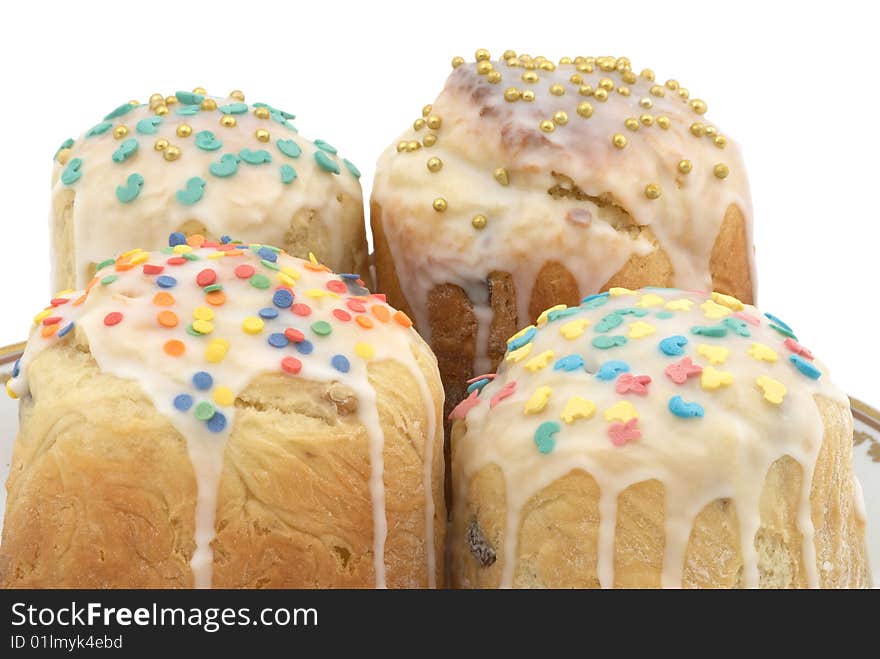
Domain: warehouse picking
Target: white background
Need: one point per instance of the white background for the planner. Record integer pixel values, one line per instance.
(795, 84)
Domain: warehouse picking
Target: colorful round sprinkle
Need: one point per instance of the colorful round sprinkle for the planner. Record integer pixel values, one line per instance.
(183, 402)
(340, 363)
(202, 381)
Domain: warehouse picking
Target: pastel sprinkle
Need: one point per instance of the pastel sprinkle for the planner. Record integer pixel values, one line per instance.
(364, 350)
(748, 318)
(640, 329)
(288, 174)
(291, 365)
(166, 281)
(623, 433)
(206, 277)
(268, 313)
(595, 301)
(207, 141)
(619, 290)
(304, 347)
(714, 311)
(461, 410)
(715, 331)
(665, 315)
(225, 167)
(680, 408)
(244, 271)
(223, 396)
(622, 411)
(183, 402)
(321, 328)
(109, 279)
(573, 328)
(538, 400)
(99, 129)
(205, 410)
(610, 370)
(173, 347)
(506, 392)
(289, 148)
(650, 300)
(609, 322)
(774, 391)
(349, 165)
(737, 326)
(763, 353)
(340, 363)
(635, 384)
(605, 342)
(728, 301)
(712, 379)
(321, 144)
(217, 422)
(798, 349)
(123, 109)
(233, 108)
(148, 126)
(680, 371)
(578, 408)
(673, 345)
(545, 436)
(282, 298)
(539, 361)
(326, 163)
(805, 367)
(680, 305)
(521, 338)
(131, 190)
(258, 157)
(112, 318)
(568, 363)
(252, 325)
(176, 238)
(202, 380)
(278, 340)
(542, 318)
(784, 331)
(189, 98)
(73, 172)
(778, 321)
(715, 354)
(260, 281)
(125, 150)
(193, 192)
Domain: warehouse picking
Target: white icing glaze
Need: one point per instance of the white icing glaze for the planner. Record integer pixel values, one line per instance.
(480, 132)
(253, 203)
(135, 349)
(724, 454)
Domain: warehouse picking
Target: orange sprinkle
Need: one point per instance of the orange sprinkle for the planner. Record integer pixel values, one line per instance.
(195, 240)
(163, 299)
(364, 321)
(50, 330)
(174, 347)
(315, 267)
(402, 318)
(91, 284)
(234, 252)
(122, 266)
(167, 318)
(381, 312)
(216, 298)
(82, 298)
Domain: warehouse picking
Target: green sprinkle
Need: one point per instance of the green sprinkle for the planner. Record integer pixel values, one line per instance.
(212, 288)
(716, 331)
(192, 332)
(100, 129)
(204, 410)
(132, 188)
(189, 256)
(148, 126)
(66, 144)
(783, 331)
(260, 281)
(322, 328)
(605, 342)
(349, 165)
(189, 98)
(736, 326)
(289, 148)
(188, 110)
(73, 172)
(226, 166)
(269, 264)
(104, 264)
(193, 193)
(123, 109)
(167, 250)
(109, 279)
(271, 248)
(125, 150)
(326, 163)
(206, 141)
(234, 108)
(321, 144)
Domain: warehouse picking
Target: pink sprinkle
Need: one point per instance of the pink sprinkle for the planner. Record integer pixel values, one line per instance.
(336, 286)
(150, 269)
(293, 335)
(487, 376)
(461, 410)
(52, 320)
(379, 296)
(58, 301)
(798, 349)
(356, 305)
(112, 318)
(342, 315)
(301, 309)
(636, 384)
(623, 433)
(680, 371)
(506, 392)
(749, 318)
(244, 271)
(176, 260)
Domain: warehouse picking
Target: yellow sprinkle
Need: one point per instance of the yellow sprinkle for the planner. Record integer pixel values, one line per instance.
(216, 351)
(641, 329)
(538, 401)
(9, 390)
(216, 255)
(364, 350)
(313, 259)
(617, 290)
(574, 328)
(252, 325)
(139, 258)
(621, 411)
(64, 293)
(774, 390)
(203, 313)
(763, 353)
(714, 311)
(728, 301)
(183, 248)
(45, 313)
(578, 408)
(223, 396)
(131, 252)
(316, 292)
(519, 354)
(293, 273)
(715, 354)
(650, 300)
(287, 280)
(203, 326)
(520, 333)
(542, 319)
(680, 305)
(712, 379)
(539, 361)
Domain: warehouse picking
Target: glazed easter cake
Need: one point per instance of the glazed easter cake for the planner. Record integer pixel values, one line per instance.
(529, 183)
(656, 438)
(204, 165)
(227, 415)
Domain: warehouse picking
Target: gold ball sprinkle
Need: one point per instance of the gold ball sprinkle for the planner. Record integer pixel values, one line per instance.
(262, 135)
(419, 123)
(161, 144)
(647, 119)
(119, 132)
(508, 54)
(699, 106)
(585, 90)
(683, 93)
(457, 62)
(721, 170)
(401, 146)
(619, 140)
(156, 99)
(629, 77)
(170, 100)
(657, 90)
(494, 77)
(511, 94)
(530, 76)
(209, 105)
(484, 67)
(237, 94)
(646, 103)
(261, 113)
(664, 122)
(584, 109)
(63, 156)
(184, 130)
(482, 55)
(426, 110)
(560, 118)
(720, 141)
(171, 153)
(672, 84)
(600, 95)
(576, 79)
(548, 126)
(228, 121)
(652, 191)
(632, 124)
(161, 110)
(685, 166)
(606, 83)
(710, 131)
(439, 204)
(479, 221)
(623, 91)
(697, 129)
(413, 145)
(647, 74)
(528, 95)
(435, 164)
(199, 90)
(548, 66)
(557, 89)
(501, 176)
(430, 139)
(434, 122)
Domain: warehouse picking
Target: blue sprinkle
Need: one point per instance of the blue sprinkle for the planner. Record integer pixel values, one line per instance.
(806, 367)
(64, 331)
(673, 345)
(304, 347)
(594, 301)
(268, 313)
(202, 381)
(569, 363)
(225, 240)
(778, 322)
(545, 438)
(478, 385)
(164, 281)
(638, 313)
(350, 276)
(216, 423)
(610, 370)
(685, 410)
(176, 238)
(737, 326)
(562, 313)
(520, 341)
(278, 340)
(665, 315)
(16, 368)
(268, 254)
(183, 402)
(340, 363)
(282, 298)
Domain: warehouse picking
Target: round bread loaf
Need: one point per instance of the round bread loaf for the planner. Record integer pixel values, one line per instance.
(201, 165)
(656, 438)
(224, 415)
(529, 183)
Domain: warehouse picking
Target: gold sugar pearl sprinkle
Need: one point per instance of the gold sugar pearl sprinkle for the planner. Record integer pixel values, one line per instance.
(646, 103)
(721, 170)
(699, 106)
(623, 91)
(511, 94)
(508, 54)
(209, 105)
(585, 110)
(430, 139)
(171, 154)
(427, 110)
(170, 100)
(585, 90)
(484, 67)
(606, 83)
(685, 166)
(161, 144)
(720, 141)
(528, 95)
(619, 140)
(629, 77)
(652, 191)
(576, 79)
(262, 135)
(600, 95)
(683, 93)
(494, 77)
(418, 124)
(501, 176)
(657, 90)
(710, 131)
(435, 164)
(672, 84)
(412, 145)
(530, 76)
(557, 89)
(632, 124)
(439, 204)
(564, 60)
(647, 74)
(664, 122)
(261, 113)
(560, 118)
(161, 110)
(228, 121)
(479, 221)
(237, 94)
(434, 122)
(63, 156)
(698, 129)
(548, 66)
(156, 99)
(199, 90)
(547, 126)
(184, 130)
(401, 146)
(482, 55)
(119, 132)
(647, 119)
(457, 62)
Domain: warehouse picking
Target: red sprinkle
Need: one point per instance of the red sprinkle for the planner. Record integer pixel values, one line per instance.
(150, 269)
(112, 318)
(176, 260)
(749, 318)
(356, 305)
(244, 271)
(379, 296)
(51, 320)
(342, 315)
(795, 347)
(206, 277)
(301, 309)
(336, 286)
(291, 365)
(58, 301)
(225, 248)
(293, 335)
(461, 410)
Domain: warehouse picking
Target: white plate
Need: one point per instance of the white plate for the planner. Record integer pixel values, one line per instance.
(866, 453)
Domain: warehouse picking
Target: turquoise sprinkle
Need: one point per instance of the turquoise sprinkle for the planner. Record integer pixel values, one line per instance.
(665, 315)
(556, 314)
(736, 326)
(288, 174)
(289, 148)
(595, 301)
(806, 367)
(125, 108)
(66, 144)
(545, 438)
(189, 98)
(610, 370)
(604, 342)
(148, 126)
(478, 385)
(326, 163)
(188, 110)
(349, 165)
(673, 345)
(321, 144)
(125, 150)
(609, 322)
(206, 141)
(100, 129)
(279, 117)
(783, 331)
(132, 188)
(193, 193)
(227, 166)
(521, 340)
(684, 410)
(73, 172)
(233, 108)
(716, 331)
(257, 157)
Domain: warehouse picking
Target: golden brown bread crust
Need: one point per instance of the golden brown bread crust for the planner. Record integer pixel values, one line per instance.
(102, 492)
(729, 261)
(558, 531)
